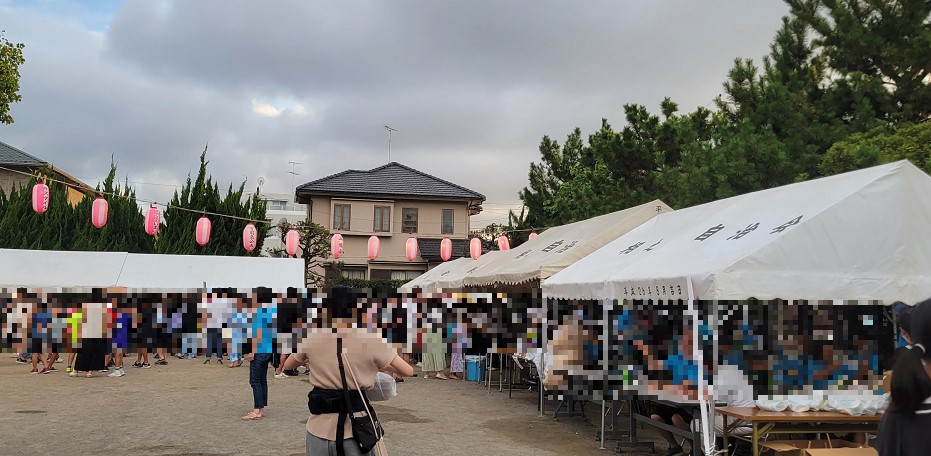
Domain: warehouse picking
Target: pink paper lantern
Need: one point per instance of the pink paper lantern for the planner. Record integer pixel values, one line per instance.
(411, 248)
(446, 249)
(475, 248)
(336, 245)
(250, 237)
(533, 234)
(374, 246)
(503, 243)
(292, 242)
(99, 212)
(153, 221)
(40, 197)
(202, 233)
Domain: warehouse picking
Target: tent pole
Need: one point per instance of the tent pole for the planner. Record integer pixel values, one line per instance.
(605, 307)
(541, 369)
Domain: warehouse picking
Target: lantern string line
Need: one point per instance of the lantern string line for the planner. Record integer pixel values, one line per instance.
(216, 214)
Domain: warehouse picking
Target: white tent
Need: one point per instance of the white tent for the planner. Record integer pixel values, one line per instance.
(558, 247)
(47, 269)
(454, 279)
(856, 236)
(425, 280)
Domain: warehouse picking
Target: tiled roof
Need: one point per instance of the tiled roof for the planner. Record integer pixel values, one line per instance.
(12, 156)
(393, 179)
(430, 248)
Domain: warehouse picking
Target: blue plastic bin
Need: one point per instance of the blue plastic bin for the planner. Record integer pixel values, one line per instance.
(475, 368)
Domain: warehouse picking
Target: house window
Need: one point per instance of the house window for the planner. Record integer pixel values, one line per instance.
(447, 221)
(382, 219)
(354, 274)
(341, 217)
(409, 220)
(405, 275)
(275, 205)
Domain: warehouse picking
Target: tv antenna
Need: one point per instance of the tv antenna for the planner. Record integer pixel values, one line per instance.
(293, 173)
(390, 130)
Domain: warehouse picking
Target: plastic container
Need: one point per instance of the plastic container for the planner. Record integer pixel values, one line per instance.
(475, 368)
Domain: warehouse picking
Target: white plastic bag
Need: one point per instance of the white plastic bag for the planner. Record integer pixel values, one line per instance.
(385, 388)
(772, 404)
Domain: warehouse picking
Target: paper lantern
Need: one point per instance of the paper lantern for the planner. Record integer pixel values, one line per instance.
(202, 233)
(475, 248)
(411, 248)
(446, 249)
(292, 242)
(336, 245)
(533, 234)
(99, 212)
(250, 237)
(374, 246)
(40, 197)
(153, 220)
(503, 243)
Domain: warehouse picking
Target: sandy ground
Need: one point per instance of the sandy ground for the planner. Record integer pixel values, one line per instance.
(187, 408)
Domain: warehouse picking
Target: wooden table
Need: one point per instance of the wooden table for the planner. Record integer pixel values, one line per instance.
(765, 423)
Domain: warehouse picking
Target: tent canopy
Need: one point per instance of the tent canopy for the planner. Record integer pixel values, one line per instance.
(426, 279)
(450, 274)
(558, 247)
(862, 235)
(48, 269)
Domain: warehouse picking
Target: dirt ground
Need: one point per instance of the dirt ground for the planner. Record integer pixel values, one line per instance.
(188, 408)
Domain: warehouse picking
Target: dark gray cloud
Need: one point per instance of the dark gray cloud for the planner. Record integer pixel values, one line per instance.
(472, 86)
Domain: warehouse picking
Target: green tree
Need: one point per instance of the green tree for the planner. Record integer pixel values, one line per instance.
(314, 248)
(11, 57)
(545, 178)
(124, 231)
(23, 228)
(881, 145)
(879, 51)
(177, 235)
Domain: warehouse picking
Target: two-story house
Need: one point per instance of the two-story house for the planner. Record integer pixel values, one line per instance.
(393, 202)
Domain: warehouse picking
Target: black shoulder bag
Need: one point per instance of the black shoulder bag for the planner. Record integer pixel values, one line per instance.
(366, 430)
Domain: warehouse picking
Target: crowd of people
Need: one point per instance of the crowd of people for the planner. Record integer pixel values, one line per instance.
(97, 331)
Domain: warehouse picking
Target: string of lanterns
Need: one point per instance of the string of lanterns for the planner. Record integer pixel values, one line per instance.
(41, 197)
(100, 209)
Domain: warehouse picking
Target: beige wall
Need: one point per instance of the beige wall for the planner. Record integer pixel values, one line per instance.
(392, 252)
(9, 179)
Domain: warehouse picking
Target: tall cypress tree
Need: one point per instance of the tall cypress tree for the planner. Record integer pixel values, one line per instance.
(124, 231)
(23, 228)
(177, 236)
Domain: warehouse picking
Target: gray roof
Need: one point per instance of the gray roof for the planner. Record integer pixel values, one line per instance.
(12, 156)
(430, 248)
(393, 180)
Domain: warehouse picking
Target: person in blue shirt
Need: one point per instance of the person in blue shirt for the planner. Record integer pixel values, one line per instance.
(263, 340)
(684, 372)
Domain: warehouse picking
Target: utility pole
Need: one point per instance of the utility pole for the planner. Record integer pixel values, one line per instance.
(292, 173)
(389, 141)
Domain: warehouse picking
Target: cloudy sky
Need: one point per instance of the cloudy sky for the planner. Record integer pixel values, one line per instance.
(471, 86)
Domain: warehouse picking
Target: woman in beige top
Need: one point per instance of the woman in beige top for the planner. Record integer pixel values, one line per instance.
(365, 353)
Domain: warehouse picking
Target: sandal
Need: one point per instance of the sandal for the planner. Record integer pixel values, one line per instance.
(441, 377)
(90, 375)
(251, 416)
